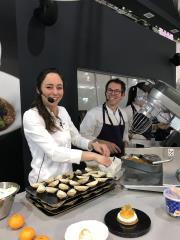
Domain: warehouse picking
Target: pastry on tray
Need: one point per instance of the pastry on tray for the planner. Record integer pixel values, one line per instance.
(127, 216)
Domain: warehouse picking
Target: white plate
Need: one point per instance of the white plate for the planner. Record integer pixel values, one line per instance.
(98, 230)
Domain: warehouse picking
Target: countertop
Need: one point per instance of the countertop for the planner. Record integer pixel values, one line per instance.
(163, 226)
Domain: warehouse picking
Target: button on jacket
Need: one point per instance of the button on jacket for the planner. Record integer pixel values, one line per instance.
(51, 152)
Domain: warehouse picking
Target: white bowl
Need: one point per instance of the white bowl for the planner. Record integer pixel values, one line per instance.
(98, 230)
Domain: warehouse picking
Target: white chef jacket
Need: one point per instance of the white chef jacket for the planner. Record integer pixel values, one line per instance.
(92, 123)
(51, 152)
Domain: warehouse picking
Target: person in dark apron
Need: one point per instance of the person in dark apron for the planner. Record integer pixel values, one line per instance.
(107, 123)
(113, 133)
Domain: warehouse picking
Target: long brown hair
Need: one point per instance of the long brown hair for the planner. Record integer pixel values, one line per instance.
(38, 103)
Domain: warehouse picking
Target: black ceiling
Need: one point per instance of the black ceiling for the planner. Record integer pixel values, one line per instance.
(166, 13)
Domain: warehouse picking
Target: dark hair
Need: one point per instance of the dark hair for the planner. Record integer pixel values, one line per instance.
(133, 92)
(38, 103)
(118, 81)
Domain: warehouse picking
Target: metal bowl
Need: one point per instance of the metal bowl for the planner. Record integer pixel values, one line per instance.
(7, 197)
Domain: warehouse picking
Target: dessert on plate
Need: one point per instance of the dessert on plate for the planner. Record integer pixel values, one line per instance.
(127, 216)
(85, 234)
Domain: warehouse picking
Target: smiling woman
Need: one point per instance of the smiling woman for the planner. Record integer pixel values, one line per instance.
(50, 132)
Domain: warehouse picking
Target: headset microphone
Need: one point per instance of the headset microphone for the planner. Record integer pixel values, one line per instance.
(50, 99)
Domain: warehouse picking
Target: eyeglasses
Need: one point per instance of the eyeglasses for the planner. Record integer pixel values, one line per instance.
(115, 91)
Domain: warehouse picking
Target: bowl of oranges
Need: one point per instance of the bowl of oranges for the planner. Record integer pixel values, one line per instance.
(8, 191)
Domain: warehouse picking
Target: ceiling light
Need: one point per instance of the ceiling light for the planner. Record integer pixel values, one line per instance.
(149, 15)
(174, 30)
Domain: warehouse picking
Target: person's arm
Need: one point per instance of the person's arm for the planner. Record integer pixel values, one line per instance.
(126, 128)
(82, 142)
(89, 156)
(36, 133)
(89, 124)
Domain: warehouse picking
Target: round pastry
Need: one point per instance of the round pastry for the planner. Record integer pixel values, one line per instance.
(127, 216)
(7, 114)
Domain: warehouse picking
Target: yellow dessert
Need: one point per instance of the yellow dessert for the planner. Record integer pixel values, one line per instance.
(127, 215)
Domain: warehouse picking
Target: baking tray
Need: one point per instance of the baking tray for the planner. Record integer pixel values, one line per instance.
(51, 205)
(146, 166)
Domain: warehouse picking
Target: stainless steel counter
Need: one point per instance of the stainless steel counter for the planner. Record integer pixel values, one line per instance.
(163, 226)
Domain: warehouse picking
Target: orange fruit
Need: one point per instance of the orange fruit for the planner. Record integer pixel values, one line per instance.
(27, 233)
(16, 221)
(41, 237)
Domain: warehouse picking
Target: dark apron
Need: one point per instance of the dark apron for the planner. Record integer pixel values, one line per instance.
(147, 134)
(112, 133)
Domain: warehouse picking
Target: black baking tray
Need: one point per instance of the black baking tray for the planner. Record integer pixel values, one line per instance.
(51, 205)
(147, 166)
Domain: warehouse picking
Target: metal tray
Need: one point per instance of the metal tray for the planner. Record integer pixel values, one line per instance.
(146, 166)
(51, 205)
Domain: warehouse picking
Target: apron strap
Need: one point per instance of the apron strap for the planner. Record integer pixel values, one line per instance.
(120, 115)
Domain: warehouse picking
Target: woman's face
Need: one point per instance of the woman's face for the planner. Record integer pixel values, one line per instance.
(52, 86)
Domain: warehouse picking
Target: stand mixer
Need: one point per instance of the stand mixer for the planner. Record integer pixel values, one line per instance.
(162, 101)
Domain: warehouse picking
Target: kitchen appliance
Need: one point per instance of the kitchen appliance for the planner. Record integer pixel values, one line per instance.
(163, 101)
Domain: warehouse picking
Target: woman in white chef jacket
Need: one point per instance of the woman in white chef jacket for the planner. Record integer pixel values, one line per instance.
(50, 132)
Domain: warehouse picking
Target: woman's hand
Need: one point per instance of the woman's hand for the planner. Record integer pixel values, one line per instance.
(103, 160)
(101, 148)
(91, 156)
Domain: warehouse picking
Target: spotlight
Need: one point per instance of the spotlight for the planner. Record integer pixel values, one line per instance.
(47, 12)
(175, 59)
